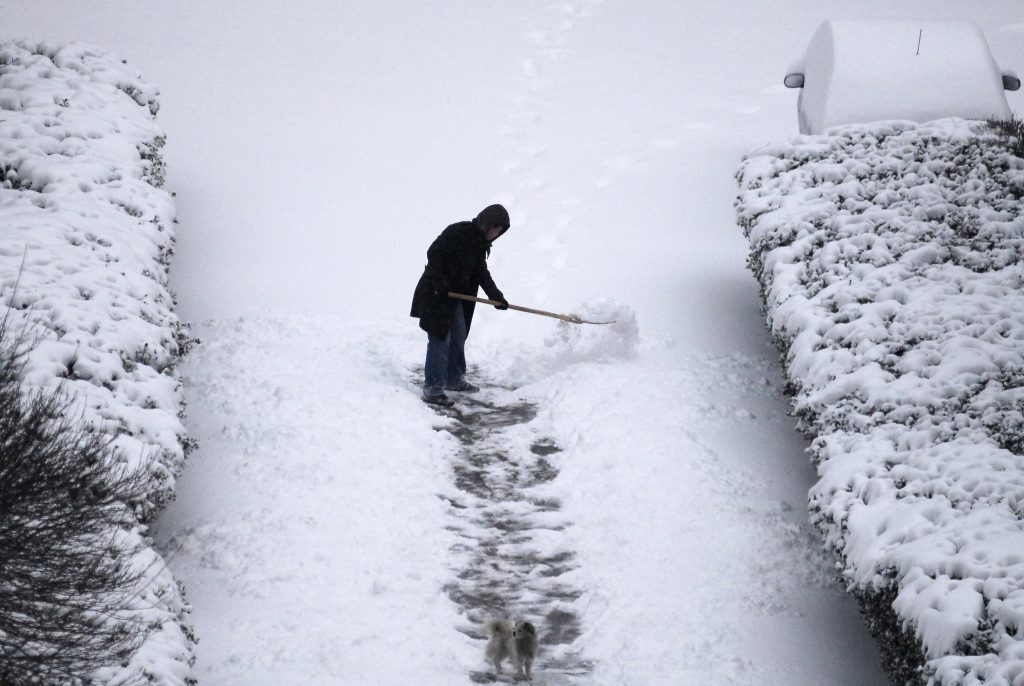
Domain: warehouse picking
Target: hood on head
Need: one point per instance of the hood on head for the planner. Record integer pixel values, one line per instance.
(493, 215)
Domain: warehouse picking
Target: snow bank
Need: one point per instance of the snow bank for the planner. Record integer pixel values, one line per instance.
(309, 527)
(870, 70)
(84, 254)
(889, 258)
(571, 344)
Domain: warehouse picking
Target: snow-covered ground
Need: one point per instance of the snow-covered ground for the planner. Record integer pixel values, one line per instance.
(316, 149)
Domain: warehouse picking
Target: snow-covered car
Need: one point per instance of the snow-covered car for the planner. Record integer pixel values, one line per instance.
(857, 71)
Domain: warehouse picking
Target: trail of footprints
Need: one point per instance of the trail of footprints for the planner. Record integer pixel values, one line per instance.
(513, 552)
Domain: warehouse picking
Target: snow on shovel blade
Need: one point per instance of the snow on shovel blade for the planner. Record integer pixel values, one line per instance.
(584, 321)
(579, 320)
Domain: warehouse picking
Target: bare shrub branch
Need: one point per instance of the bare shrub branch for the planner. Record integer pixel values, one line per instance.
(1012, 131)
(66, 555)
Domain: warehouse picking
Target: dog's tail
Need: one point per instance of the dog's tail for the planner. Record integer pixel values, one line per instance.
(498, 627)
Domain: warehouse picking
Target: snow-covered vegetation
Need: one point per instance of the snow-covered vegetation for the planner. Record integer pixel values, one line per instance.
(86, 244)
(889, 257)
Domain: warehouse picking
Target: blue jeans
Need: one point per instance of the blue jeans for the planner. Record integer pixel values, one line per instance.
(446, 357)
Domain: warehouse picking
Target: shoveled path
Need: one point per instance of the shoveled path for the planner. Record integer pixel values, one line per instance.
(514, 558)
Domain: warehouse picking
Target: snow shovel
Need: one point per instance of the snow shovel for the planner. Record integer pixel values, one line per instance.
(564, 317)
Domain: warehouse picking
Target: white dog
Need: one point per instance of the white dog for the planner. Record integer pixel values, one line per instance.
(515, 641)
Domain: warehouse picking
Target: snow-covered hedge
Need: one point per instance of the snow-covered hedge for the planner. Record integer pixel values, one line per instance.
(890, 262)
(86, 240)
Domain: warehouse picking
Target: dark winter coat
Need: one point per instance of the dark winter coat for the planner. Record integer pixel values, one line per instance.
(456, 261)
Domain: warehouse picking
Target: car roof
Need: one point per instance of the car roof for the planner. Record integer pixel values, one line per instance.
(860, 70)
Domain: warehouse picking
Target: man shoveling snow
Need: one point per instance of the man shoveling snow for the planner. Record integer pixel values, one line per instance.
(457, 263)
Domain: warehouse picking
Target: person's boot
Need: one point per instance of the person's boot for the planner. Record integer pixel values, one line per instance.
(440, 399)
(464, 387)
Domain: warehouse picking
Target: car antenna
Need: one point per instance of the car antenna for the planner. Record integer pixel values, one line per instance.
(919, 34)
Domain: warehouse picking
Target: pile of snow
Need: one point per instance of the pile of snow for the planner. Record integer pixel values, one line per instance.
(869, 70)
(890, 261)
(87, 239)
(611, 334)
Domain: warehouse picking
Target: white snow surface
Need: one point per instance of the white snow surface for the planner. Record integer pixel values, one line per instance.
(891, 262)
(316, 149)
(84, 245)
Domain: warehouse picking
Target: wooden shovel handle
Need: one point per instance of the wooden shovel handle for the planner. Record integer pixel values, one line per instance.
(564, 317)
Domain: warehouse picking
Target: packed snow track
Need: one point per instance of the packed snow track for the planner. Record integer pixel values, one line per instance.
(513, 558)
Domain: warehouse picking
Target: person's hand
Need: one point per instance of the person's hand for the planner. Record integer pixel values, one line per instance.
(503, 304)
